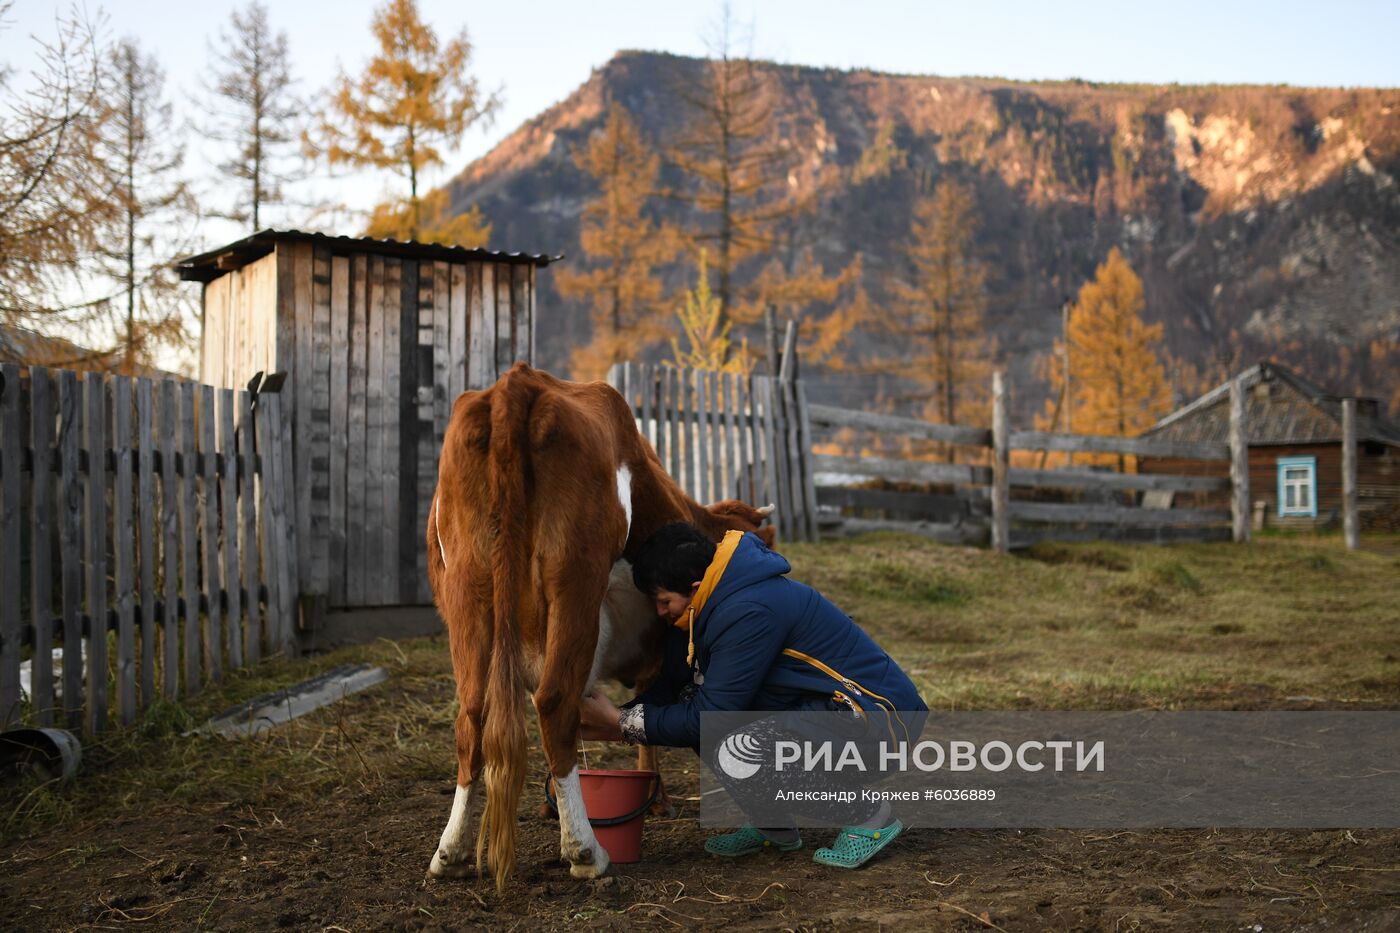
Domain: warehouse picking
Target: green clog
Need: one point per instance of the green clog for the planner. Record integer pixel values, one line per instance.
(745, 841)
(855, 846)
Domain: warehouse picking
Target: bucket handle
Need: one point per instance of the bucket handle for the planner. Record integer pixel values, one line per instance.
(603, 822)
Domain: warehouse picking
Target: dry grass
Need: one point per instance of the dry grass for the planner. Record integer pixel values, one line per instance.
(1084, 626)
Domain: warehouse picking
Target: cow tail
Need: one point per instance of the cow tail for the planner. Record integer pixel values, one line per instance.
(504, 745)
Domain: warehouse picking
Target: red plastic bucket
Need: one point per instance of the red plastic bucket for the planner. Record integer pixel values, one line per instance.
(617, 803)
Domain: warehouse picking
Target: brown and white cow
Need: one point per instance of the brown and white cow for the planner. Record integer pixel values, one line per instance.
(543, 487)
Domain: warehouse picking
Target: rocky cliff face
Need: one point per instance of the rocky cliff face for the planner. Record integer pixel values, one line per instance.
(1263, 220)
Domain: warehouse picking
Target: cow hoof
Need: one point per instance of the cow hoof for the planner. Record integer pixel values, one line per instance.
(595, 866)
(441, 868)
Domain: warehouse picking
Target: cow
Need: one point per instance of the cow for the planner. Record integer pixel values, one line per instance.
(544, 487)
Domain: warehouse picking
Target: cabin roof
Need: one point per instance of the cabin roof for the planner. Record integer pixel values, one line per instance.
(1281, 407)
(209, 265)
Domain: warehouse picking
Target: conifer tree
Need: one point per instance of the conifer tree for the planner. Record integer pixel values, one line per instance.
(937, 314)
(394, 220)
(742, 181)
(252, 110)
(414, 96)
(1117, 383)
(706, 331)
(622, 248)
(154, 209)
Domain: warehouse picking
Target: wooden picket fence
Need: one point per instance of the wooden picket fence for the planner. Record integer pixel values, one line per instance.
(728, 435)
(144, 541)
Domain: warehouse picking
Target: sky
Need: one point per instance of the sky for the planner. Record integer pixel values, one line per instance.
(536, 53)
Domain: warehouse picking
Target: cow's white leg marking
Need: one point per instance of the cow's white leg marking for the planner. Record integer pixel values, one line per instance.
(624, 495)
(454, 851)
(586, 858)
(437, 530)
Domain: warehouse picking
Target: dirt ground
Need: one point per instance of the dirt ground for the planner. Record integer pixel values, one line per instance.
(355, 862)
(329, 823)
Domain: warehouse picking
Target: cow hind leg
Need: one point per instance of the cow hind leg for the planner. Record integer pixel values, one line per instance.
(563, 681)
(470, 661)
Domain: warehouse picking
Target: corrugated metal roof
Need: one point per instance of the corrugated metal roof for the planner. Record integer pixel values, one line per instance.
(1291, 410)
(207, 266)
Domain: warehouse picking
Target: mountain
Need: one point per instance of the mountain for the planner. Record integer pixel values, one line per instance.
(1264, 221)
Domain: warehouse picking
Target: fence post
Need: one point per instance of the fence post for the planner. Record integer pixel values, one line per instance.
(11, 443)
(1001, 467)
(1239, 464)
(1351, 523)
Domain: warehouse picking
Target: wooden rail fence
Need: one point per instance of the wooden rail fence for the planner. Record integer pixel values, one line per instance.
(145, 541)
(728, 435)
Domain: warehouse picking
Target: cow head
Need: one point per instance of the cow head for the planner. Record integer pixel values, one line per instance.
(734, 514)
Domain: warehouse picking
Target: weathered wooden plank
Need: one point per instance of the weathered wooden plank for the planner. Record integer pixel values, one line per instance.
(804, 446)
(124, 549)
(209, 489)
(269, 514)
(189, 550)
(169, 521)
(1102, 479)
(534, 322)
(375, 388)
(389, 429)
(282, 528)
(520, 313)
(340, 352)
(355, 436)
(228, 502)
(1095, 443)
(910, 471)
(793, 430)
(675, 411)
(718, 476)
(1094, 513)
(936, 507)
(321, 351)
(733, 458)
(12, 435)
(248, 545)
(1351, 524)
(459, 330)
(70, 405)
(701, 436)
(645, 412)
(966, 533)
(425, 458)
(1001, 467)
(41, 538)
(762, 396)
(409, 543)
(1239, 462)
(302, 379)
(827, 416)
(442, 353)
(1169, 534)
(149, 549)
(95, 541)
(661, 418)
(505, 345)
(480, 340)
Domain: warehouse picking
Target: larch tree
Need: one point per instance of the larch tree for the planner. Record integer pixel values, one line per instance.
(252, 110)
(622, 249)
(414, 96)
(1118, 385)
(433, 222)
(938, 309)
(741, 181)
(55, 194)
(155, 211)
(706, 332)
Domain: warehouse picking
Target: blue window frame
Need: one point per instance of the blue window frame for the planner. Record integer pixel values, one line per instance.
(1297, 486)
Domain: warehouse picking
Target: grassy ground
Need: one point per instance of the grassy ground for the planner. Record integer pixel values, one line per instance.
(329, 821)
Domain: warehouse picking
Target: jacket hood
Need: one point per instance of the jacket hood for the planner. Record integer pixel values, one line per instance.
(752, 563)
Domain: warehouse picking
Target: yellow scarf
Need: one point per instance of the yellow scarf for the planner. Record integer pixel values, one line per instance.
(711, 579)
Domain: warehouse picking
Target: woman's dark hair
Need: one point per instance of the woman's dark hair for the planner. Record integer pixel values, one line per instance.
(673, 558)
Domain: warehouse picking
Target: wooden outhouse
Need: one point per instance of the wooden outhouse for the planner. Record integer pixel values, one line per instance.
(377, 339)
(1295, 448)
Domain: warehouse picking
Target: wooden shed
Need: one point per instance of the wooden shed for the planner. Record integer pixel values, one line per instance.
(1295, 447)
(377, 339)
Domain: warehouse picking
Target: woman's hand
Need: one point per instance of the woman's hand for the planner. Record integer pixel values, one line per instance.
(599, 719)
